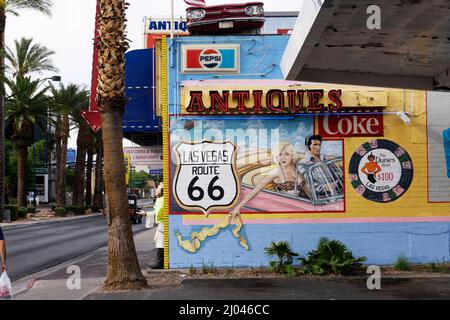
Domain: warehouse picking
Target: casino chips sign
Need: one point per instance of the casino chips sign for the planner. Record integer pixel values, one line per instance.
(223, 58)
(381, 171)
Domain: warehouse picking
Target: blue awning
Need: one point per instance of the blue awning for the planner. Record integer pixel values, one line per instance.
(140, 111)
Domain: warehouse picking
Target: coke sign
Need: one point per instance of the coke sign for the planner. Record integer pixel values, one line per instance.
(350, 126)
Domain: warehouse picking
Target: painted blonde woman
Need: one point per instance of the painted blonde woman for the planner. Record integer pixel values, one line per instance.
(282, 177)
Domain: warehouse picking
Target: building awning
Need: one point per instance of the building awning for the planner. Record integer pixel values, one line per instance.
(332, 43)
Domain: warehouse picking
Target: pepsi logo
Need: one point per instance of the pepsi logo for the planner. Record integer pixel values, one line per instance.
(210, 58)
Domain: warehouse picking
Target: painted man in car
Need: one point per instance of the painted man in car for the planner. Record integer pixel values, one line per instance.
(313, 156)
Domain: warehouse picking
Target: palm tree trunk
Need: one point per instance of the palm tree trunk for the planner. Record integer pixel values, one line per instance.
(124, 271)
(2, 113)
(80, 165)
(90, 159)
(61, 157)
(98, 192)
(123, 267)
(22, 153)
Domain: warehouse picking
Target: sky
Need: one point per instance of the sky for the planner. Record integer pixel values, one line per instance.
(70, 30)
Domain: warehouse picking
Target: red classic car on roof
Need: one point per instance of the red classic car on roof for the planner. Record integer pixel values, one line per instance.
(226, 18)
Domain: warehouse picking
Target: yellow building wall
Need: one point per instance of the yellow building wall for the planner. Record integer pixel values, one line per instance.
(413, 138)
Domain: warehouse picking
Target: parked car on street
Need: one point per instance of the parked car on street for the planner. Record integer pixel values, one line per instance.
(226, 18)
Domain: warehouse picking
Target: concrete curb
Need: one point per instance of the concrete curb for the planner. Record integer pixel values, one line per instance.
(23, 285)
(312, 277)
(9, 226)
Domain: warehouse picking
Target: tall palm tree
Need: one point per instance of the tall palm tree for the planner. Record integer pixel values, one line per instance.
(98, 191)
(68, 101)
(11, 7)
(123, 267)
(25, 110)
(84, 135)
(28, 58)
(89, 167)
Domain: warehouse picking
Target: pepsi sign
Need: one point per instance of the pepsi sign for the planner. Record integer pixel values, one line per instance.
(211, 58)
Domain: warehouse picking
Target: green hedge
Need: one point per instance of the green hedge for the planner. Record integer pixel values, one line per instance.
(31, 209)
(22, 212)
(60, 212)
(13, 211)
(76, 210)
(96, 209)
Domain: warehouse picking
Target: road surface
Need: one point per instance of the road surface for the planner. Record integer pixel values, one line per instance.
(40, 246)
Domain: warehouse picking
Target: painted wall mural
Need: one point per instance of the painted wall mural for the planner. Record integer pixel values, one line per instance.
(252, 166)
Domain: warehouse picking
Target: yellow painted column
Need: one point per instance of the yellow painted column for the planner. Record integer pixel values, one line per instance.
(165, 129)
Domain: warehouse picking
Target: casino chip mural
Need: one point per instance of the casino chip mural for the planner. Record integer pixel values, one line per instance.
(381, 171)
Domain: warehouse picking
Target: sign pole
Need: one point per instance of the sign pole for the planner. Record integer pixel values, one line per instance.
(171, 20)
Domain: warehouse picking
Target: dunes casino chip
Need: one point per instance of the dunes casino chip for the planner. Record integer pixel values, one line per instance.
(381, 170)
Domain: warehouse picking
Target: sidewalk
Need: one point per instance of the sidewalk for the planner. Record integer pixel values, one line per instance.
(51, 284)
(300, 288)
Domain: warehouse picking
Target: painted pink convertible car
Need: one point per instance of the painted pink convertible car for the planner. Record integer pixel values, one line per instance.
(329, 172)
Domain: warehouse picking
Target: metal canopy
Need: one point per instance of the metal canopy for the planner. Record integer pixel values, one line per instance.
(332, 43)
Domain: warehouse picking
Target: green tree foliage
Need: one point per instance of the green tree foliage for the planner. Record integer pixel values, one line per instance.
(27, 58)
(14, 6)
(36, 155)
(139, 179)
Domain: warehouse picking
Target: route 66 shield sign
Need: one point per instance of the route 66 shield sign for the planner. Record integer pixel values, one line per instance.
(206, 177)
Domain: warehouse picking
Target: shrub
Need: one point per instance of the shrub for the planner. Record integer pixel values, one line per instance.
(76, 210)
(60, 212)
(442, 267)
(96, 209)
(401, 264)
(13, 210)
(331, 257)
(31, 209)
(22, 212)
(209, 270)
(285, 255)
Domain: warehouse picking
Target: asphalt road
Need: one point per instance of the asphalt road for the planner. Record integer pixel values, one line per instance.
(37, 247)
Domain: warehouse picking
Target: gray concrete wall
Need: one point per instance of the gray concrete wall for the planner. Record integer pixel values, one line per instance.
(438, 120)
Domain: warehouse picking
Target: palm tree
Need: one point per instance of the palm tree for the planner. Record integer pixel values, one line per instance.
(68, 101)
(123, 267)
(11, 7)
(84, 135)
(98, 191)
(25, 110)
(28, 58)
(89, 166)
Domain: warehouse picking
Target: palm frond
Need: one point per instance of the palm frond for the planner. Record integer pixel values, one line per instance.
(28, 57)
(29, 103)
(43, 6)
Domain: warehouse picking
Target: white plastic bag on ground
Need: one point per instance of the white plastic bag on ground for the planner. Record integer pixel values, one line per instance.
(5, 287)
